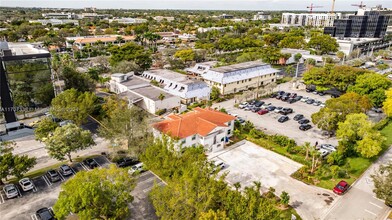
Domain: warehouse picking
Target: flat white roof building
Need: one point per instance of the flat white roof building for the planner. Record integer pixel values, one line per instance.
(240, 77)
(128, 20)
(190, 90)
(55, 21)
(201, 68)
(307, 19)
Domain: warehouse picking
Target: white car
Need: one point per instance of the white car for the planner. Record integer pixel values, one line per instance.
(218, 164)
(323, 153)
(304, 99)
(26, 184)
(243, 105)
(135, 168)
(265, 105)
(328, 147)
(10, 191)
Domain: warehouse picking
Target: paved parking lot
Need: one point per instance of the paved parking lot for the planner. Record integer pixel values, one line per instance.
(248, 162)
(44, 194)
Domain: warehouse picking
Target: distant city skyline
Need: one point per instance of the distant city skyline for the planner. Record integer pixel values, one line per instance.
(256, 5)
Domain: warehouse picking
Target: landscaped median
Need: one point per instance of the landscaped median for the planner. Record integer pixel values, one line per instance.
(317, 171)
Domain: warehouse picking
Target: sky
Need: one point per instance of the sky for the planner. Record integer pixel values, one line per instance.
(340, 5)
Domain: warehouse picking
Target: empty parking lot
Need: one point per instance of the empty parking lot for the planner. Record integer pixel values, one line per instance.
(248, 162)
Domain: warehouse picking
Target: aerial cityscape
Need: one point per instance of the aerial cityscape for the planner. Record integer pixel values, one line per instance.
(196, 110)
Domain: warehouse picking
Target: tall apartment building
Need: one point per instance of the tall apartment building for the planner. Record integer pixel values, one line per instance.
(365, 24)
(307, 19)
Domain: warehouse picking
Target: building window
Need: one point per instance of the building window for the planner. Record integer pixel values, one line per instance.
(238, 82)
(228, 131)
(183, 141)
(250, 80)
(229, 124)
(193, 137)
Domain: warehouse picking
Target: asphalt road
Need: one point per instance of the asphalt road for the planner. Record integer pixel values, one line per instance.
(360, 202)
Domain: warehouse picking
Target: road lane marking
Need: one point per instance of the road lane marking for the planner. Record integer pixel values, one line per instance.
(370, 212)
(380, 207)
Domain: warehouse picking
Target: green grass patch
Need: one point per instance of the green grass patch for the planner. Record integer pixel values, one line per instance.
(387, 132)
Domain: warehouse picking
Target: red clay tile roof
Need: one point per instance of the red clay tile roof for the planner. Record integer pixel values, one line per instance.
(200, 121)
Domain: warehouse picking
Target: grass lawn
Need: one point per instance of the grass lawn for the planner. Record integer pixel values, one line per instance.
(387, 132)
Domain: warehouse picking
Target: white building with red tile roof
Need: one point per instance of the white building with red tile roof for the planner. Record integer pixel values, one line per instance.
(206, 127)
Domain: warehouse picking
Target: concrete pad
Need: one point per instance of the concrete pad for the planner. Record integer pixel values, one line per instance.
(249, 162)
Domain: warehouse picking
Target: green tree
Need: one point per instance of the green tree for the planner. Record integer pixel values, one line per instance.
(213, 215)
(297, 57)
(323, 44)
(337, 109)
(290, 70)
(126, 67)
(96, 194)
(131, 52)
(73, 105)
(127, 126)
(387, 104)
(284, 198)
(44, 127)
(75, 80)
(66, 140)
(372, 85)
(356, 134)
(185, 55)
(340, 55)
(215, 93)
(383, 183)
(296, 42)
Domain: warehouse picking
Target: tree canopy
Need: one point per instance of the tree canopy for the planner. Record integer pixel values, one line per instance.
(383, 183)
(44, 127)
(337, 109)
(356, 134)
(372, 85)
(73, 105)
(96, 194)
(131, 52)
(323, 44)
(67, 139)
(76, 80)
(387, 105)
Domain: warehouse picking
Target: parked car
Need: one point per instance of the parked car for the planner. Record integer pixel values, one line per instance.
(135, 168)
(126, 162)
(53, 176)
(278, 109)
(253, 102)
(65, 170)
(377, 110)
(293, 95)
(243, 105)
(291, 100)
(262, 112)
(273, 95)
(323, 153)
(328, 147)
(248, 108)
(283, 118)
(26, 184)
(321, 93)
(304, 99)
(286, 111)
(218, 164)
(305, 127)
(91, 163)
(298, 98)
(259, 104)
(10, 191)
(279, 96)
(255, 109)
(265, 105)
(240, 120)
(298, 117)
(310, 101)
(271, 108)
(303, 121)
(322, 105)
(45, 214)
(341, 187)
(284, 98)
(317, 103)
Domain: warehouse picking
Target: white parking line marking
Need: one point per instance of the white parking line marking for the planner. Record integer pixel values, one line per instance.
(370, 212)
(84, 166)
(380, 207)
(34, 217)
(35, 189)
(73, 171)
(2, 198)
(97, 163)
(19, 194)
(148, 189)
(61, 177)
(107, 160)
(46, 181)
(379, 199)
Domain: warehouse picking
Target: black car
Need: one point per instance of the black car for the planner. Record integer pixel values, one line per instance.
(259, 104)
(298, 117)
(53, 176)
(305, 127)
(303, 121)
(286, 111)
(126, 162)
(253, 102)
(283, 118)
(297, 98)
(91, 163)
(321, 93)
(255, 109)
(45, 214)
(279, 96)
(293, 95)
(291, 100)
(284, 98)
(310, 101)
(273, 95)
(271, 108)
(240, 120)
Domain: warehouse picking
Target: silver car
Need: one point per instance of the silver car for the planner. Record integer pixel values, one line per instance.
(26, 184)
(135, 168)
(10, 191)
(328, 147)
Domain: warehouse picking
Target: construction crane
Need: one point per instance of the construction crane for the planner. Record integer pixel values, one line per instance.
(333, 7)
(359, 5)
(313, 6)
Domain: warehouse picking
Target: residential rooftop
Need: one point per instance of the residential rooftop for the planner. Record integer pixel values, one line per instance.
(173, 76)
(239, 66)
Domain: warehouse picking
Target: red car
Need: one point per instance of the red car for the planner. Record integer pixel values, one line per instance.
(262, 112)
(341, 187)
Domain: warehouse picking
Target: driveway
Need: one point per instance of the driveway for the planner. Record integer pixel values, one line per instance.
(248, 162)
(360, 202)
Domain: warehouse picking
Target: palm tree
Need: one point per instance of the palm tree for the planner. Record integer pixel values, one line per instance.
(307, 148)
(161, 97)
(47, 43)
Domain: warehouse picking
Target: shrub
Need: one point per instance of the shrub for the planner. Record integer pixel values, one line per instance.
(381, 124)
(342, 173)
(335, 158)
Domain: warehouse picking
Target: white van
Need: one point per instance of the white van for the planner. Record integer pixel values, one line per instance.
(136, 167)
